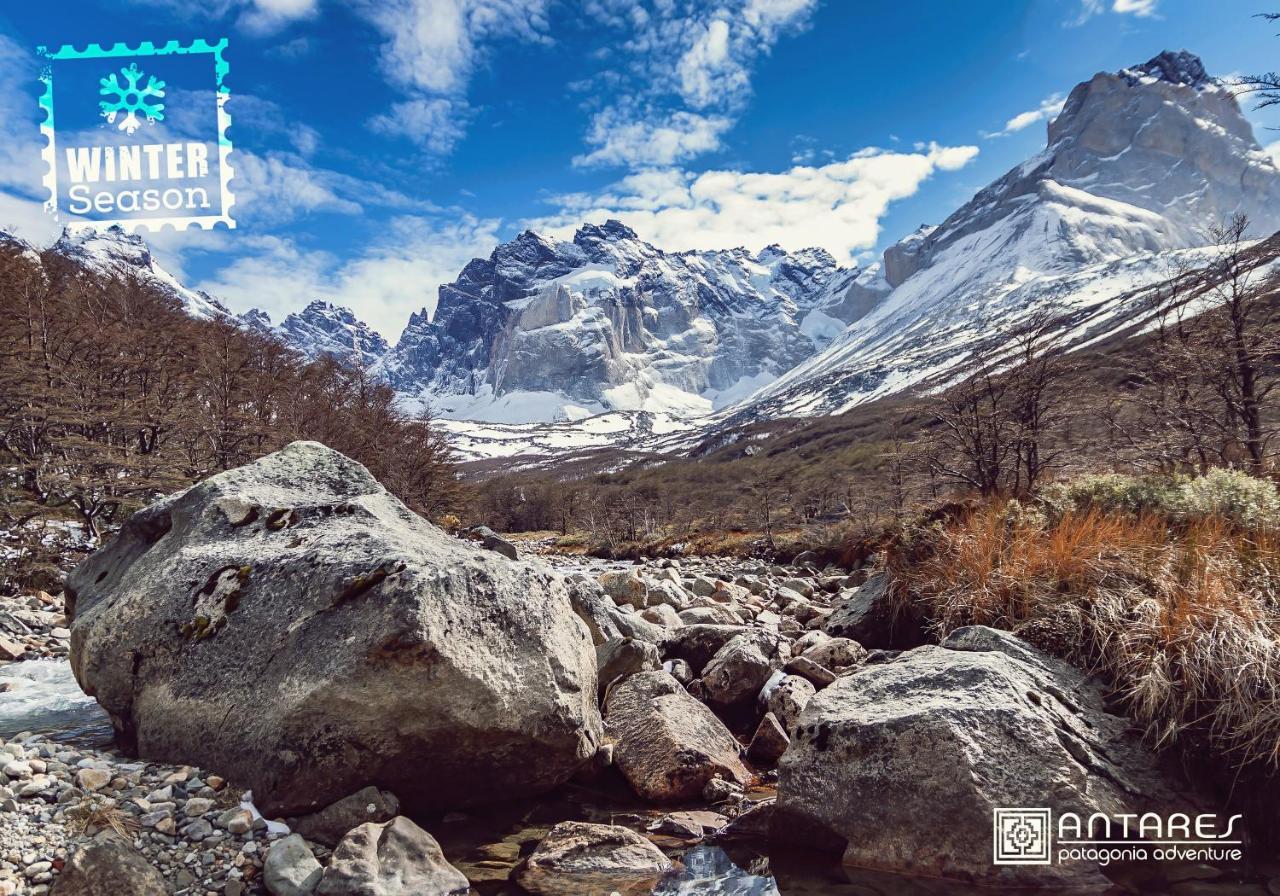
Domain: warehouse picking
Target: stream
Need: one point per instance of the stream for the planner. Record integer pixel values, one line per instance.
(42, 696)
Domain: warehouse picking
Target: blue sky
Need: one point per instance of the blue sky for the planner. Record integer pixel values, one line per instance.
(380, 144)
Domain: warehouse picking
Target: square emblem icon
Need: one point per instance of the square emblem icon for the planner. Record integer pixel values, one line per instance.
(139, 137)
(1022, 836)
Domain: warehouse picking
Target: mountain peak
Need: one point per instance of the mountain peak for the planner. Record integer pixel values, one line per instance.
(1172, 67)
(612, 229)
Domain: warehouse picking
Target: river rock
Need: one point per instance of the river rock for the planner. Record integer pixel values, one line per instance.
(815, 673)
(770, 740)
(667, 744)
(622, 657)
(837, 654)
(396, 858)
(292, 625)
(867, 614)
(625, 587)
(787, 700)
(697, 644)
(577, 858)
(500, 545)
(899, 766)
(741, 667)
(606, 621)
(108, 867)
(290, 868)
(332, 823)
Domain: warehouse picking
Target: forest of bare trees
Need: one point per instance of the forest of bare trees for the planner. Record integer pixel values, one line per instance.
(111, 395)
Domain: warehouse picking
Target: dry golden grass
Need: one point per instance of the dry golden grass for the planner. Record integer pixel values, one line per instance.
(95, 813)
(1180, 616)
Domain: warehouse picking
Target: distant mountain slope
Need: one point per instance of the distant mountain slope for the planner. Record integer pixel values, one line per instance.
(113, 252)
(548, 329)
(1139, 165)
(323, 328)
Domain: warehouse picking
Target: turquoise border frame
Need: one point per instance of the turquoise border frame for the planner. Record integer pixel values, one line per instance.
(146, 48)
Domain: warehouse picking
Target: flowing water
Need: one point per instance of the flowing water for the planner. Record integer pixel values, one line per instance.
(42, 696)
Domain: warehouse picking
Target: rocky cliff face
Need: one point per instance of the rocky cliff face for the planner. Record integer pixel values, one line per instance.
(547, 329)
(324, 329)
(1139, 164)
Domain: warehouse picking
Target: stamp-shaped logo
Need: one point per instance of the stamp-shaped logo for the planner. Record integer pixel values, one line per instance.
(1022, 836)
(139, 137)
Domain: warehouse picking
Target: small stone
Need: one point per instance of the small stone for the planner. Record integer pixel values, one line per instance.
(817, 674)
(92, 779)
(290, 868)
(197, 806)
(236, 820)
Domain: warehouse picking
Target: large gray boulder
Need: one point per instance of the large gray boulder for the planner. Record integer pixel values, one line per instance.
(395, 858)
(899, 766)
(293, 626)
(667, 744)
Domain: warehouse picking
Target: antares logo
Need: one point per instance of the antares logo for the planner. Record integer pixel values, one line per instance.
(1022, 836)
(1026, 836)
(140, 136)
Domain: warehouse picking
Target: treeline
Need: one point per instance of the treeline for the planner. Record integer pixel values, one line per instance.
(111, 395)
(1191, 388)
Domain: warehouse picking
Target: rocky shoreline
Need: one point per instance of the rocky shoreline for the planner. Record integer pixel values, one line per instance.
(699, 700)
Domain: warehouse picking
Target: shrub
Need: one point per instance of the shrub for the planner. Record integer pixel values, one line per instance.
(1180, 615)
(1231, 494)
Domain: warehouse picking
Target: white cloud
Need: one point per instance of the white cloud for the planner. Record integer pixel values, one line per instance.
(684, 72)
(383, 286)
(266, 117)
(433, 47)
(706, 69)
(1273, 149)
(1137, 8)
(274, 189)
(837, 206)
(21, 168)
(1049, 107)
(259, 16)
(435, 124)
(623, 137)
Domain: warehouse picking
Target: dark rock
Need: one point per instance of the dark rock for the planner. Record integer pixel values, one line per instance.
(500, 545)
(770, 740)
(108, 867)
(332, 823)
(869, 616)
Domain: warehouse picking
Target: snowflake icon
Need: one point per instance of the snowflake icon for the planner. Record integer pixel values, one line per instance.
(132, 98)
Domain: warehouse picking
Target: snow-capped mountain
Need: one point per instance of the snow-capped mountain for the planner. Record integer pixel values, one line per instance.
(548, 330)
(1138, 166)
(553, 345)
(113, 252)
(323, 328)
